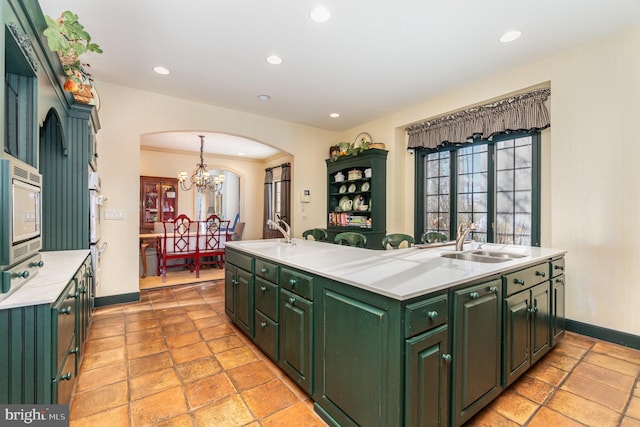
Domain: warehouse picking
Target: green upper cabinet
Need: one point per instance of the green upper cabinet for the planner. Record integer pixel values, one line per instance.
(20, 96)
(357, 196)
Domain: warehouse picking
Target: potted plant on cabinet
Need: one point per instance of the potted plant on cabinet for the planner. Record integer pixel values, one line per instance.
(68, 37)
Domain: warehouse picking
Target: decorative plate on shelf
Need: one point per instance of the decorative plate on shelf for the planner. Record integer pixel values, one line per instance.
(365, 186)
(352, 188)
(343, 189)
(342, 203)
(357, 201)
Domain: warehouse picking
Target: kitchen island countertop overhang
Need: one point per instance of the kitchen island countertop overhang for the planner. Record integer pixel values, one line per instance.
(401, 274)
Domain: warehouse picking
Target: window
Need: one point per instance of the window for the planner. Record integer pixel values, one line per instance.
(494, 184)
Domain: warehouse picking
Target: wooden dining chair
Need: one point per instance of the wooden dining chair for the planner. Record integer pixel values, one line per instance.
(351, 238)
(397, 241)
(179, 242)
(212, 235)
(317, 234)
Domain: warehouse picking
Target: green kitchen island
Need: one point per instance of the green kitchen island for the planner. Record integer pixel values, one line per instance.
(406, 337)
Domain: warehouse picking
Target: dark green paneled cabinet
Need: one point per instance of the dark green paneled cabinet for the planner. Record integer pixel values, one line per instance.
(296, 326)
(267, 310)
(527, 323)
(367, 189)
(238, 288)
(557, 300)
(358, 358)
(476, 348)
(427, 362)
(43, 345)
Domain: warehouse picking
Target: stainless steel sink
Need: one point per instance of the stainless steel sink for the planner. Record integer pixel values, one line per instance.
(469, 256)
(497, 254)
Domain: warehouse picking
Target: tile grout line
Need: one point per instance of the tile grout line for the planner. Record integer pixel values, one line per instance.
(543, 404)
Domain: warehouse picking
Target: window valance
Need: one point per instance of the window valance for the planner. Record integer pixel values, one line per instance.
(524, 112)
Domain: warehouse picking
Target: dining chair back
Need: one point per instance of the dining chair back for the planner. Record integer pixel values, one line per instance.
(351, 238)
(212, 235)
(318, 234)
(178, 243)
(397, 241)
(434, 237)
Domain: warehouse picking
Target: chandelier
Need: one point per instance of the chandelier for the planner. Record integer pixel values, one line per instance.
(200, 178)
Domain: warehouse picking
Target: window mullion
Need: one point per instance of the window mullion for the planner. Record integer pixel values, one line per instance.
(491, 193)
(453, 198)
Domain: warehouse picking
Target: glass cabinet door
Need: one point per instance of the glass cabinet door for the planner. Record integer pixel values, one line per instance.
(168, 202)
(150, 202)
(158, 201)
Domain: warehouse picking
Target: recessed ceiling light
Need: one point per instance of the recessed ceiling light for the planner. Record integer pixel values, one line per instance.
(240, 154)
(334, 115)
(320, 14)
(161, 70)
(264, 97)
(510, 36)
(274, 60)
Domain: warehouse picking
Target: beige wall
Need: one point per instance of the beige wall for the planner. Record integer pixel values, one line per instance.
(590, 185)
(590, 180)
(126, 114)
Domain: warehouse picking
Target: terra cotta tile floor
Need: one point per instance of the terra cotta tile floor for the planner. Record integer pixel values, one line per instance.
(174, 359)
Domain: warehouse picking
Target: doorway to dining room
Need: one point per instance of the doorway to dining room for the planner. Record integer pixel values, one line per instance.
(241, 161)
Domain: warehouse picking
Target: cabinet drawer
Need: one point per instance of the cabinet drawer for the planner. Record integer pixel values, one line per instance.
(267, 270)
(523, 279)
(62, 384)
(297, 283)
(266, 298)
(266, 335)
(63, 315)
(239, 260)
(557, 267)
(424, 315)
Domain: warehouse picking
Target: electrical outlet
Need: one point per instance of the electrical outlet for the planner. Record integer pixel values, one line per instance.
(114, 214)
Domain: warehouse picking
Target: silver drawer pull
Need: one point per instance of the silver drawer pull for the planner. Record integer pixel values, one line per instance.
(66, 310)
(518, 281)
(541, 273)
(493, 289)
(446, 357)
(264, 270)
(293, 281)
(292, 300)
(74, 350)
(66, 377)
(433, 315)
(474, 295)
(263, 289)
(263, 324)
(559, 267)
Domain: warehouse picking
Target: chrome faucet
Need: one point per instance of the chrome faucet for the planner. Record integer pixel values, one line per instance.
(285, 232)
(463, 230)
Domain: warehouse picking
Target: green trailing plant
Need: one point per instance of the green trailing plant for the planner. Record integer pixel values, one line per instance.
(68, 37)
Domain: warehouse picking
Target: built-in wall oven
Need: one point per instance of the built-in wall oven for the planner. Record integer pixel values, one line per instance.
(96, 243)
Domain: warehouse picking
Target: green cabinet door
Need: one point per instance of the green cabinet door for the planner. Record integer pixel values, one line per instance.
(296, 328)
(557, 310)
(359, 371)
(527, 329)
(427, 379)
(238, 286)
(540, 321)
(476, 348)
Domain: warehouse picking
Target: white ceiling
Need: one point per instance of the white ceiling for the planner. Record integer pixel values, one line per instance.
(372, 58)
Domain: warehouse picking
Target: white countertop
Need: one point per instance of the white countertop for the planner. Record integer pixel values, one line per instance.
(44, 288)
(400, 274)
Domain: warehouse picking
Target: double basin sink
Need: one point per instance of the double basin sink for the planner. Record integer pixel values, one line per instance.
(481, 255)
